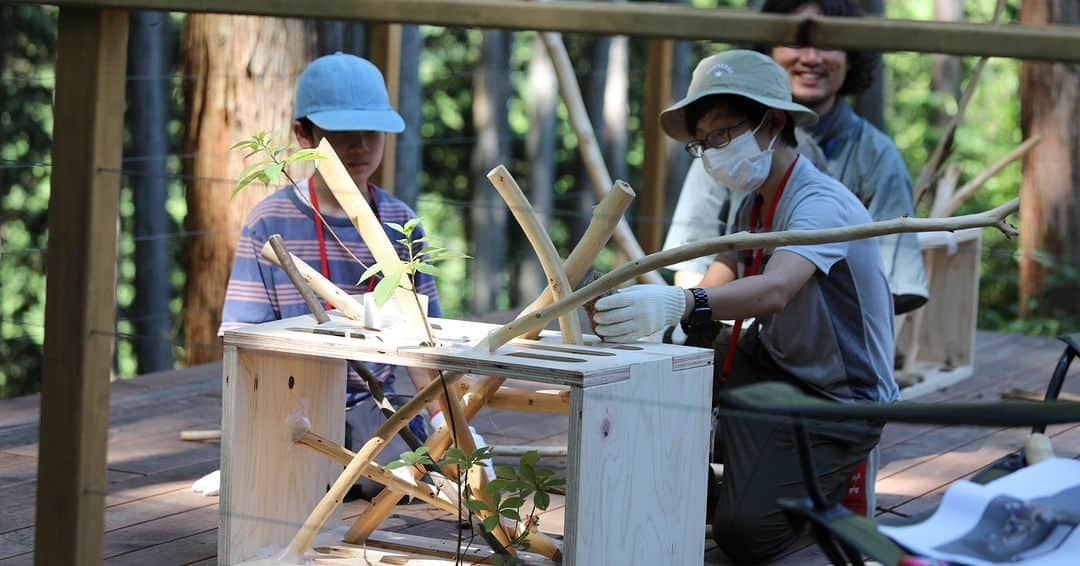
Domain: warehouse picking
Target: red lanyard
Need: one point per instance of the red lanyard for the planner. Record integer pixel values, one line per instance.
(319, 229)
(759, 253)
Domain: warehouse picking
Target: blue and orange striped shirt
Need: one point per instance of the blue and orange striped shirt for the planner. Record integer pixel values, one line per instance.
(259, 291)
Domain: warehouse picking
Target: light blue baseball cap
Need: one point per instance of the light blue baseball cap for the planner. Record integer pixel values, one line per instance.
(342, 92)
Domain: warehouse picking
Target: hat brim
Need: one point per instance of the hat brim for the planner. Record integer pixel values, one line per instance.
(358, 120)
(673, 119)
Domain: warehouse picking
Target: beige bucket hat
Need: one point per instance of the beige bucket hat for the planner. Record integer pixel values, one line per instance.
(741, 72)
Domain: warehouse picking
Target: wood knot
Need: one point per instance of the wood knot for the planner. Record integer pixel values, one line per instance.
(605, 427)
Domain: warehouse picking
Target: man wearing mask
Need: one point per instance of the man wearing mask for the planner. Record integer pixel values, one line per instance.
(859, 155)
(823, 314)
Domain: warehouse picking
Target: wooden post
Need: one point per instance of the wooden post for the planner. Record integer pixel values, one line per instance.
(652, 215)
(384, 50)
(81, 289)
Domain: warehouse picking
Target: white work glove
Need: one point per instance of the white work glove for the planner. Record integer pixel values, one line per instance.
(208, 485)
(638, 311)
(438, 420)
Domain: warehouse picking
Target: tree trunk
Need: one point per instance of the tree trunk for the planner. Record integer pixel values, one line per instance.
(347, 37)
(945, 69)
(243, 72)
(491, 90)
(584, 197)
(682, 64)
(150, 60)
(409, 142)
(1050, 194)
(543, 98)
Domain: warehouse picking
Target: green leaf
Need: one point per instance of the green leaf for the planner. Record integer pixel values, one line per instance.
(497, 486)
(510, 514)
(369, 272)
(512, 503)
(385, 289)
(530, 458)
(490, 523)
(505, 472)
(395, 465)
(273, 173)
(475, 505)
(396, 227)
(541, 499)
(427, 268)
(410, 226)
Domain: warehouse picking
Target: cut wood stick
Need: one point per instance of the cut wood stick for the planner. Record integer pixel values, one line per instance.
(587, 145)
(541, 243)
(376, 473)
(542, 451)
(322, 286)
(378, 441)
(944, 147)
(744, 241)
(196, 435)
(1024, 395)
(965, 192)
(525, 401)
(285, 260)
(605, 219)
(356, 207)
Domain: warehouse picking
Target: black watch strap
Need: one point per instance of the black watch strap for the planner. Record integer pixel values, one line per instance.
(701, 298)
(701, 314)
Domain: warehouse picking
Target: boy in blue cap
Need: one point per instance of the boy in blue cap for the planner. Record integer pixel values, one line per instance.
(342, 98)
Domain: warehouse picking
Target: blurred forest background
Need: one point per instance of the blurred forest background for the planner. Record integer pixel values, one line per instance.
(472, 99)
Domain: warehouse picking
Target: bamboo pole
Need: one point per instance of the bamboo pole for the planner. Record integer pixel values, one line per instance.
(198, 435)
(318, 516)
(743, 241)
(322, 286)
(944, 147)
(965, 192)
(605, 220)
(367, 224)
(542, 451)
(550, 261)
(587, 145)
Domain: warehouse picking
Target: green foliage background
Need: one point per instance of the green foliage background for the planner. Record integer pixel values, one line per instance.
(27, 41)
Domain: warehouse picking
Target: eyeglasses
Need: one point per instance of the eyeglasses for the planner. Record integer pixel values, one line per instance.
(716, 139)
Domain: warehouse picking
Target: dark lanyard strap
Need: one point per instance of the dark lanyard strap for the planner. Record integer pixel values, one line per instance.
(325, 264)
(759, 253)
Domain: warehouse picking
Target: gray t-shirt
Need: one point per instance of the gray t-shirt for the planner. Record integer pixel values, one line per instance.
(836, 333)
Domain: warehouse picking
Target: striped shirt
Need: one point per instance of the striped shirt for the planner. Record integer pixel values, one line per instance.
(259, 291)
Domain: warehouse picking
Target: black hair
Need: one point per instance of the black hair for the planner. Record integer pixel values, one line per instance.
(307, 126)
(862, 64)
(751, 110)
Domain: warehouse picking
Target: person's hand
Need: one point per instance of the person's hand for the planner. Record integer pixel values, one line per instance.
(638, 311)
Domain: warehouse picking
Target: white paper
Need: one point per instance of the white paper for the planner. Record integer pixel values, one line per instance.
(1029, 517)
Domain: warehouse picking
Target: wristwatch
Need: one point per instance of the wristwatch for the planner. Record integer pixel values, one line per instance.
(701, 315)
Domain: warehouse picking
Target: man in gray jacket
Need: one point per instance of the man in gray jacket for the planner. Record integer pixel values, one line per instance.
(859, 155)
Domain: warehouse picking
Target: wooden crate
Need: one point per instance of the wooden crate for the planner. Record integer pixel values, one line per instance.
(638, 431)
(937, 341)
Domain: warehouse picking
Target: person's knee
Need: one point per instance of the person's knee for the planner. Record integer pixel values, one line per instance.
(751, 537)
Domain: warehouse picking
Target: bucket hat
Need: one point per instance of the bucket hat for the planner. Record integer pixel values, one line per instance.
(739, 72)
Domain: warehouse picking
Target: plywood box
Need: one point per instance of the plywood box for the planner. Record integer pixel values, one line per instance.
(638, 431)
(937, 341)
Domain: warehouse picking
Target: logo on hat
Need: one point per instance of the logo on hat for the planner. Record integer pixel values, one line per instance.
(720, 69)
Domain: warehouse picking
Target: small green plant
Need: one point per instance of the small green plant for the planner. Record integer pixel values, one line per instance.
(421, 260)
(277, 159)
(509, 492)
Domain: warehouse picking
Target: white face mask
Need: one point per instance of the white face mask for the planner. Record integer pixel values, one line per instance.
(741, 165)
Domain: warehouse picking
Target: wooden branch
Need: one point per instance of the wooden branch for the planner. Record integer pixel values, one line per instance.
(587, 145)
(322, 286)
(543, 451)
(605, 219)
(378, 441)
(944, 147)
(965, 192)
(745, 241)
(285, 260)
(526, 401)
(1025, 395)
(550, 261)
(373, 471)
(358, 210)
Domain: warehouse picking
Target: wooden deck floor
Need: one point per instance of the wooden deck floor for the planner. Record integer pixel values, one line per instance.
(152, 517)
